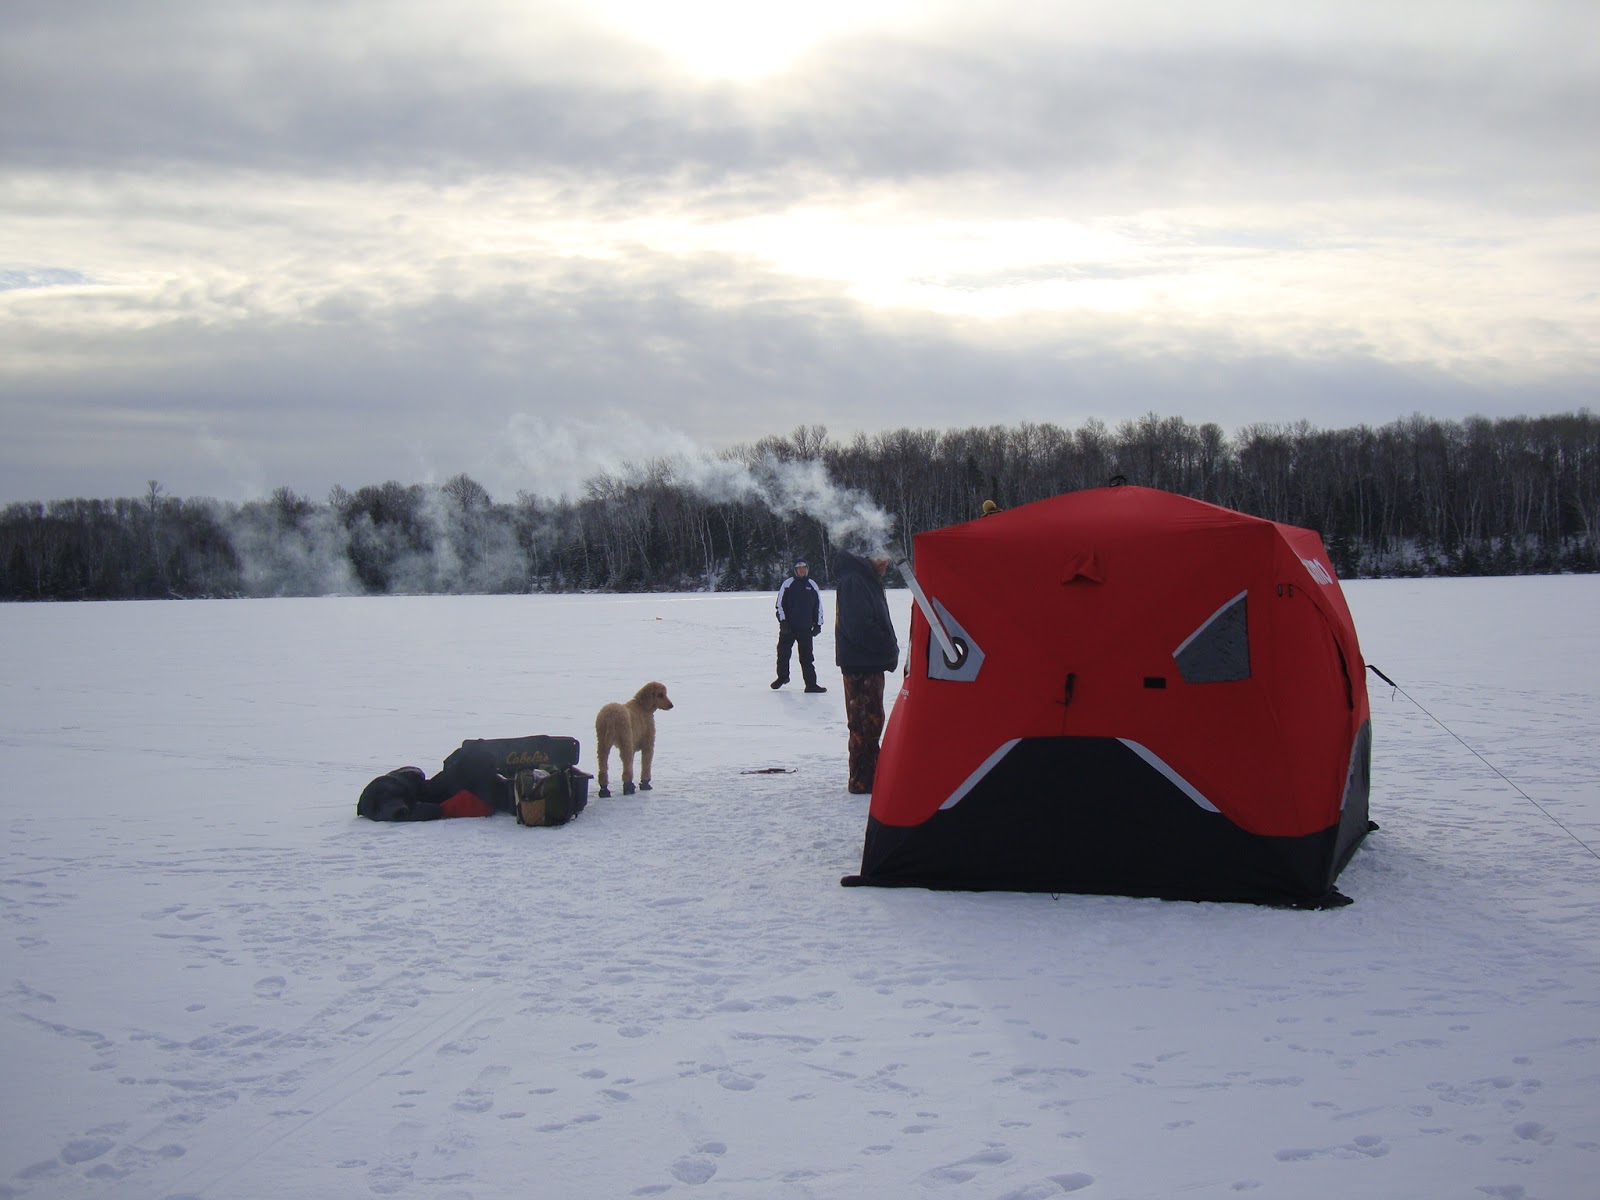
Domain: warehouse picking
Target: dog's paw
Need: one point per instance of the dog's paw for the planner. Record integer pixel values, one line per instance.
(644, 785)
(604, 793)
(628, 789)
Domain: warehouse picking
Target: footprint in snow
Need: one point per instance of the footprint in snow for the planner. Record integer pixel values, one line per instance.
(693, 1170)
(474, 1100)
(1074, 1182)
(389, 1178)
(1368, 1145)
(271, 988)
(1532, 1131)
(967, 1168)
(86, 1149)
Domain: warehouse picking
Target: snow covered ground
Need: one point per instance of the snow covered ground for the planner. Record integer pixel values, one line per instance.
(219, 983)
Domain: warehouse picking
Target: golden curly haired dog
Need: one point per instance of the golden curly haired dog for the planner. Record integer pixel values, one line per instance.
(631, 728)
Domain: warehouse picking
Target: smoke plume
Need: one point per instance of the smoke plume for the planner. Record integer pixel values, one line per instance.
(799, 487)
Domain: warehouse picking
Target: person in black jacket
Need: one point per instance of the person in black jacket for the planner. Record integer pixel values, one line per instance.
(799, 609)
(865, 648)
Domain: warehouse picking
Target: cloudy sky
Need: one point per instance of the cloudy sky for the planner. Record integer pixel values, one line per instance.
(315, 242)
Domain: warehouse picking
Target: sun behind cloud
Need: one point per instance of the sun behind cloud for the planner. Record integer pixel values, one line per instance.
(744, 40)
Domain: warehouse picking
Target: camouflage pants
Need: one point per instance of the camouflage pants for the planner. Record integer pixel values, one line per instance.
(863, 707)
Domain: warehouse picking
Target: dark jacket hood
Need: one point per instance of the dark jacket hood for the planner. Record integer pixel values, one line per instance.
(863, 632)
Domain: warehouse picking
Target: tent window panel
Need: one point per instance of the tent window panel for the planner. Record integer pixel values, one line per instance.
(1218, 651)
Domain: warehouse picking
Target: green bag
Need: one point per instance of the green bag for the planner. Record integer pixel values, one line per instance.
(550, 797)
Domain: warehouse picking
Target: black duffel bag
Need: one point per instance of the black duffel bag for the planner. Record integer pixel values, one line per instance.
(399, 795)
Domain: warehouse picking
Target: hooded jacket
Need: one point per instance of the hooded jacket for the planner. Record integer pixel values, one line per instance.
(863, 634)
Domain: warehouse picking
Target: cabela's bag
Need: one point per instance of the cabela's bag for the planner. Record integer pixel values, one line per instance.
(543, 751)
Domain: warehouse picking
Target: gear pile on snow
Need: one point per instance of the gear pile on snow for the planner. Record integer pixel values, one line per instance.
(535, 777)
(1151, 696)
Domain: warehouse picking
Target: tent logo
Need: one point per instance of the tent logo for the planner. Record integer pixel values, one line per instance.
(1318, 571)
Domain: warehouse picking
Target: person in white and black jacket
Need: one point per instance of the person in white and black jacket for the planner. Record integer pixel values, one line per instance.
(799, 610)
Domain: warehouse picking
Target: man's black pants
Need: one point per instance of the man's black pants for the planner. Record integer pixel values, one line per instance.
(801, 641)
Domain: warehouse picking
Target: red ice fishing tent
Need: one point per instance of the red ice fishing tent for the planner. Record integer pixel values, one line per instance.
(1151, 696)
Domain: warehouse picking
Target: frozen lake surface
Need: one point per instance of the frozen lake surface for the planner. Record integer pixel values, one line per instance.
(221, 984)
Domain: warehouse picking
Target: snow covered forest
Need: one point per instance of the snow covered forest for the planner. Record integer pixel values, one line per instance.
(1417, 497)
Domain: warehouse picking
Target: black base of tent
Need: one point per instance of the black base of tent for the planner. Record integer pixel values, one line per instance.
(1089, 815)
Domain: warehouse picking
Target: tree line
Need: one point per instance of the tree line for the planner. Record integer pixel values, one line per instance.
(1518, 495)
